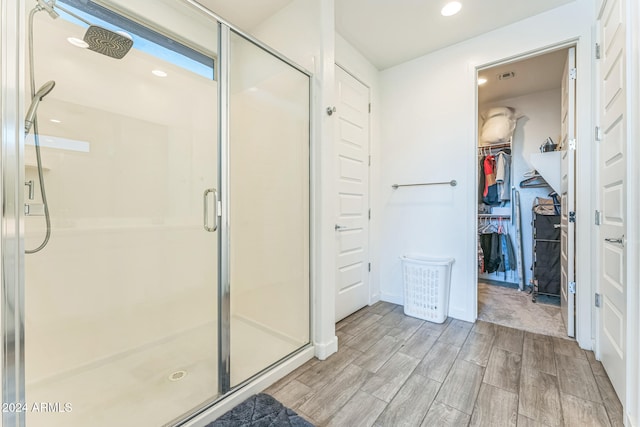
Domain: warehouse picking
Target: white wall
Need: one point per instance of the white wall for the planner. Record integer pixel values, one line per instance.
(304, 32)
(129, 201)
(269, 194)
(127, 251)
(540, 119)
(429, 134)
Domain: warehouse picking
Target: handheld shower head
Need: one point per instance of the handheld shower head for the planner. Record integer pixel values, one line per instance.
(48, 7)
(33, 108)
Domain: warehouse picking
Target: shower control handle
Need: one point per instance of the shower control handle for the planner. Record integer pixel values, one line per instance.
(31, 190)
(205, 201)
(34, 209)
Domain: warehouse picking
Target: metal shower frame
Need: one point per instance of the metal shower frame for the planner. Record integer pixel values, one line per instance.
(12, 247)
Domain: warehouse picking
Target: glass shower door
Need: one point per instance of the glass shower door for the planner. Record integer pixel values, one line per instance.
(268, 208)
(121, 316)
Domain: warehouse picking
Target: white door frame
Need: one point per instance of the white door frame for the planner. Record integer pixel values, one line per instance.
(631, 405)
(584, 184)
(568, 194)
(633, 205)
(368, 189)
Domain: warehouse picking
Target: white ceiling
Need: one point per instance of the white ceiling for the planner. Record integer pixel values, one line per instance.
(244, 14)
(535, 74)
(390, 32)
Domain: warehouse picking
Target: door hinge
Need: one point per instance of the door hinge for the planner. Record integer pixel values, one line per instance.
(598, 133)
(573, 73)
(572, 144)
(597, 50)
(369, 107)
(572, 216)
(369, 213)
(598, 300)
(572, 287)
(369, 160)
(369, 266)
(598, 217)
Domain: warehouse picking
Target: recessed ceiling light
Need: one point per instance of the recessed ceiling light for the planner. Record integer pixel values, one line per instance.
(77, 42)
(55, 121)
(451, 8)
(159, 73)
(481, 80)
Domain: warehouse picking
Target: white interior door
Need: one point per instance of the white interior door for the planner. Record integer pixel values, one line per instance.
(567, 239)
(352, 227)
(612, 161)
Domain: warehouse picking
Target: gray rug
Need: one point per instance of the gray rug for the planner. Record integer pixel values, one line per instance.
(260, 410)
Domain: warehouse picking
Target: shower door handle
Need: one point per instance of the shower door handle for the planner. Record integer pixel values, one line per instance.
(206, 209)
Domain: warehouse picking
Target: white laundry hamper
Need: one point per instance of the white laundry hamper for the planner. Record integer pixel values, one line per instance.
(427, 283)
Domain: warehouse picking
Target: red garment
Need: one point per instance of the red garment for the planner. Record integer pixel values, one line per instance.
(489, 173)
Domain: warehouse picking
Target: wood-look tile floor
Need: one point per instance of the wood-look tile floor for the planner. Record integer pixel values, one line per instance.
(394, 370)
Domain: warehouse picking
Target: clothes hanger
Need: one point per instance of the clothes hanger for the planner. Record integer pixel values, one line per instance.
(534, 181)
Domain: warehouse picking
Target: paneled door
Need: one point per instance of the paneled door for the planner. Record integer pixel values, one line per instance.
(352, 227)
(568, 225)
(612, 161)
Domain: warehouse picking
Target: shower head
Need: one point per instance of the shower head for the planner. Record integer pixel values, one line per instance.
(107, 42)
(110, 43)
(33, 108)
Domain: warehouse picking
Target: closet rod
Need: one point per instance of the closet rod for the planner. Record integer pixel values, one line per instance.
(452, 183)
(494, 146)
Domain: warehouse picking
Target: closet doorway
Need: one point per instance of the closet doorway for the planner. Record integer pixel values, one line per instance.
(525, 199)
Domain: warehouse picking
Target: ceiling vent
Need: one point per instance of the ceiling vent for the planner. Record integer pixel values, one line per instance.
(506, 76)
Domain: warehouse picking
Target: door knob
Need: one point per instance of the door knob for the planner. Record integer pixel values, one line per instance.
(341, 227)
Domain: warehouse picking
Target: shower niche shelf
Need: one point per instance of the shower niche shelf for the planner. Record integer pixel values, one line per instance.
(35, 166)
(30, 162)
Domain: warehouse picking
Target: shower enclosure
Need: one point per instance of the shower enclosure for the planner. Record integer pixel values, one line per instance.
(177, 183)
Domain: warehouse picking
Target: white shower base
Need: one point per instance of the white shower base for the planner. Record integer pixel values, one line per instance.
(137, 388)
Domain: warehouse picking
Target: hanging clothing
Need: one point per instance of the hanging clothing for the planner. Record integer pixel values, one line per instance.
(489, 168)
(480, 258)
(503, 168)
(496, 253)
(507, 254)
(490, 193)
(480, 177)
(485, 244)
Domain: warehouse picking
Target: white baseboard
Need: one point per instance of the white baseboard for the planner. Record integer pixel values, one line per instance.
(374, 298)
(460, 314)
(324, 350)
(453, 312)
(256, 386)
(392, 298)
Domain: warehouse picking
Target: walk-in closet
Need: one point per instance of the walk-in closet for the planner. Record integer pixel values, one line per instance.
(523, 110)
